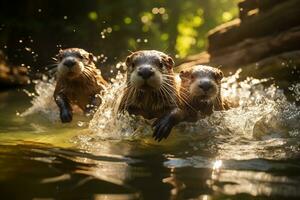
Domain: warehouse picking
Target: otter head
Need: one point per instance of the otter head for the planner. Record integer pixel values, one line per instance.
(71, 62)
(204, 82)
(149, 69)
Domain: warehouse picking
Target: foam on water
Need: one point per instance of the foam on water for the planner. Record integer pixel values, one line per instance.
(264, 124)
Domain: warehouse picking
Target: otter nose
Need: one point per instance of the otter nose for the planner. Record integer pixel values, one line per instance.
(205, 85)
(69, 63)
(145, 72)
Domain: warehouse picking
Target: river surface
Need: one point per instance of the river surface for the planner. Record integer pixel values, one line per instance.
(248, 152)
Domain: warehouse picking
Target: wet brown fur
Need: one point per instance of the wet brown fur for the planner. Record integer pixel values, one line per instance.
(151, 103)
(82, 89)
(196, 104)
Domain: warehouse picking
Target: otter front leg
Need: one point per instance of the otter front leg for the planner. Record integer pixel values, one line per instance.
(65, 108)
(164, 125)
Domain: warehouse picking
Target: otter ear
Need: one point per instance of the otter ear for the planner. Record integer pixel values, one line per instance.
(92, 58)
(169, 62)
(184, 74)
(219, 74)
(128, 60)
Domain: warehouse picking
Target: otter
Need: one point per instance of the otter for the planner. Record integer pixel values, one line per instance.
(201, 90)
(151, 89)
(78, 82)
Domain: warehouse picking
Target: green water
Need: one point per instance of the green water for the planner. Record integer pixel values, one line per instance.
(43, 160)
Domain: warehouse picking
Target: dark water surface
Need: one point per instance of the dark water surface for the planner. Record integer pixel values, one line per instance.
(42, 160)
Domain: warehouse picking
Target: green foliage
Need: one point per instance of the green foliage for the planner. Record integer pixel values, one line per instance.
(111, 27)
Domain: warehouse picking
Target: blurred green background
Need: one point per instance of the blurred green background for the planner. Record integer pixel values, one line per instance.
(31, 32)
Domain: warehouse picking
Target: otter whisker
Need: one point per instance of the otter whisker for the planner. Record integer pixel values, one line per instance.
(165, 94)
(54, 59)
(88, 75)
(129, 96)
(169, 95)
(184, 98)
(51, 66)
(162, 96)
(168, 75)
(170, 92)
(124, 104)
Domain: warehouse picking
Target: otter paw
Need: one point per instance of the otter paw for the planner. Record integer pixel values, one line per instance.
(162, 128)
(66, 116)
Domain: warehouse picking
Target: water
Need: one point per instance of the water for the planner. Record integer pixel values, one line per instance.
(248, 152)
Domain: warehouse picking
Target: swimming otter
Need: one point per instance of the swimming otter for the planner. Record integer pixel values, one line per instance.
(201, 87)
(78, 82)
(151, 89)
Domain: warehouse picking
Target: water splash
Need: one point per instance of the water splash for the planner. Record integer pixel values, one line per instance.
(43, 102)
(265, 124)
(108, 124)
(261, 125)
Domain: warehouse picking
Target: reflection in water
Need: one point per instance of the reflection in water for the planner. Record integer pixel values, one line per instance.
(177, 185)
(234, 178)
(43, 172)
(231, 182)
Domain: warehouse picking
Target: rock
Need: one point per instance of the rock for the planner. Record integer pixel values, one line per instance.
(12, 76)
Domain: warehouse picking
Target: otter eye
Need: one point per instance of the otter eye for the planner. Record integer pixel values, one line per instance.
(218, 76)
(192, 76)
(132, 65)
(161, 65)
(80, 56)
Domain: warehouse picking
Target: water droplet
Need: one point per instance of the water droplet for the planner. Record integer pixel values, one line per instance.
(80, 123)
(162, 10)
(109, 29)
(155, 11)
